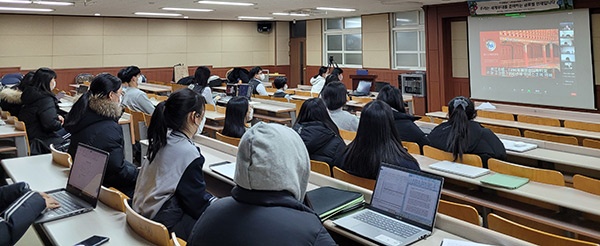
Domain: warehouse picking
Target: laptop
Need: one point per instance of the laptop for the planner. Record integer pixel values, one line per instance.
(83, 185)
(402, 210)
(363, 88)
(244, 91)
(225, 169)
(459, 169)
(517, 145)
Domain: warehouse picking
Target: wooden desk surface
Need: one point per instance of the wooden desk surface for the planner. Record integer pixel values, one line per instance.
(544, 112)
(154, 87)
(9, 131)
(214, 115)
(273, 106)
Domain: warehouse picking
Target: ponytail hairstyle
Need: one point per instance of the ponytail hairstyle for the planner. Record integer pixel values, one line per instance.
(101, 87)
(393, 97)
(126, 74)
(314, 109)
(171, 114)
(201, 78)
(25, 81)
(460, 111)
(41, 80)
(322, 70)
(235, 117)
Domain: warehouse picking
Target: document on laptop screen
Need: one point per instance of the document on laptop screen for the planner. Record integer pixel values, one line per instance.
(86, 174)
(407, 195)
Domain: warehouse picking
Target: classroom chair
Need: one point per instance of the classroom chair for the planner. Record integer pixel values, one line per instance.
(137, 118)
(591, 143)
(11, 120)
(5, 115)
(6, 145)
(355, 180)
(147, 118)
(445, 109)
(150, 230)
(221, 109)
(230, 140)
(347, 135)
(176, 87)
(271, 89)
(320, 167)
(438, 120)
(362, 99)
(303, 93)
(113, 198)
(538, 120)
(20, 126)
(460, 211)
(551, 137)
(279, 99)
(589, 185)
(469, 159)
(210, 107)
(261, 97)
(503, 130)
(412, 147)
(495, 115)
(585, 126)
(528, 234)
(61, 158)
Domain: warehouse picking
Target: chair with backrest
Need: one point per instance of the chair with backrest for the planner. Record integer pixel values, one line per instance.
(61, 158)
(538, 120)
(11, 120)
(147, 118)
(113, 198)
(230, 140)
(271, 89)
(360, 181)
(469, 159)
(150, 230)
(585, 126)
(221, 109)
(528, 234)
(320, 167)
(460, 211)
(591, 143)
(363, 99)
(588, 185)
(262, 97)
(503, 130)
(83, 78)
(551, 137)
(438, 120)
(495, 115)
(445, 109)
(11, 79)
(412, 147)
(137, 118)
(5, 115)
(20, 126)
(347, 135)
(303, 93)
(210, 107)
(176, 87)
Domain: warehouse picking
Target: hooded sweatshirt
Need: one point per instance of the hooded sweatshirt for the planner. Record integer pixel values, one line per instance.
(317, 84)
(10, 100)
(271, 174)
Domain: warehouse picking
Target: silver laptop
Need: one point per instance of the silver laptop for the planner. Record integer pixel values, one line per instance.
(83, 186)
(402, 210)
(363, 88)
(226, 169)
(459, 169)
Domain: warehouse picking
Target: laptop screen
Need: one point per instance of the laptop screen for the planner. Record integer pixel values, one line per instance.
(87, 172)
(363, 87)
(243, 90)
(231, 90)
(407, 194)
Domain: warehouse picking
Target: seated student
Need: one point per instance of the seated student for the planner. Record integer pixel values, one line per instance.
(201, 84)
(403, 121)
(265, 207)
(93, 120)
(461, 135)
(20, 207)
(10, 98)
(335, 96)
(377, 140)
(171, 188)
(318, 81)
(330, 79)
(255, 83)
(237, 114)
(281, 84)
(40, 111)
(320, 135)
(339, 72)
(134, 98)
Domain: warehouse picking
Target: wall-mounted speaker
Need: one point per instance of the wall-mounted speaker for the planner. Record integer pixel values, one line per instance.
(264, 27)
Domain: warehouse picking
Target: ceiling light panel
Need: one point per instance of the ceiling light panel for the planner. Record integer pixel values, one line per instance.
(336, 9)
(226, 3)
(188, 9)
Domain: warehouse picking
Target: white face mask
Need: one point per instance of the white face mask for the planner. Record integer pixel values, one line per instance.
(140, 79)
(250, 114)
(262, 76)
(52, 84)
(201, 126)
(285, 87)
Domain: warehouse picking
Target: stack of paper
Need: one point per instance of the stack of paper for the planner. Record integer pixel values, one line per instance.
(328, 201)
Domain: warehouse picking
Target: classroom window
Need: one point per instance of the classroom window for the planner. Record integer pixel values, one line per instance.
(343, 41)
(408, 33)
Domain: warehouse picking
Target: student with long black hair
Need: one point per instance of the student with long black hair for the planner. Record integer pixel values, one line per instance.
(335, 96)
(134, 98)
(40, 109)
(319, 133)
(171, 188)
(201, 84)
(377, 140)
(318, 81)
(461, 135)
(237, 114)
(10, 98)
(93, 120)
(403, 121)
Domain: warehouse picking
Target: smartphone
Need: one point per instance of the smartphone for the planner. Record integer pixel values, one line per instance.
(93, 241)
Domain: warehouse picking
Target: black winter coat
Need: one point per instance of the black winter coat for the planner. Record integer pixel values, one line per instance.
(252, 217)
(10, 100)
(321, 142)
(40, 114)
(482, 141)
(408, 130)
(20, 207)
(99, 127)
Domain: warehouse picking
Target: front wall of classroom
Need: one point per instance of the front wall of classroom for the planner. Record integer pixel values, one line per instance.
(33, 41)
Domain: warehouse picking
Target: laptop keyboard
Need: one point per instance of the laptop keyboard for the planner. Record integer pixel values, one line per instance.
(66, 203)
(393, 226)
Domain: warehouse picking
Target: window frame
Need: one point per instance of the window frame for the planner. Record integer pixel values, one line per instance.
(343, 32)
(419, 28)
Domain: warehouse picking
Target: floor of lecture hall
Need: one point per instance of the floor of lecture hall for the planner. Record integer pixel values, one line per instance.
(30, 238)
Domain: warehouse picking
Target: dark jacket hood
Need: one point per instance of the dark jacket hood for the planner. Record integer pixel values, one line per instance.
(11, 95)
(99, 109)
(268, 198)
(31, 94)
(315, 136)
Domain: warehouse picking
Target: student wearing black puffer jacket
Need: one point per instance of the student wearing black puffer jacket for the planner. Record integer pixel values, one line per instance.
(318, 132)
(10, 98)
(93, 120)
(40, 108)
(403, 121)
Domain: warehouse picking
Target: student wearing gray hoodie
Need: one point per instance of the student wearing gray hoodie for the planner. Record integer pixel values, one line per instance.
(265, 207)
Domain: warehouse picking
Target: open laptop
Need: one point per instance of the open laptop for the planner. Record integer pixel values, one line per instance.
(83, 185)
(402, 210)
(363, 88)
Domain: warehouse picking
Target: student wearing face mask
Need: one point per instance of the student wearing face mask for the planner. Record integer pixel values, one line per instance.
(93, 120)
(171, 188)
(40, 110)
(281, 84)
(134, 98)
(255, 83)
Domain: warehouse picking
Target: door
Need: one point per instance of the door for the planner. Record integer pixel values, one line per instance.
(297, 62)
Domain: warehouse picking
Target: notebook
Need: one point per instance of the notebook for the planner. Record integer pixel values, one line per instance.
(402, 210)
(505, 181)
(328, 201)
(83, 185)
(226, 169)
(517, 146)
(459, 169)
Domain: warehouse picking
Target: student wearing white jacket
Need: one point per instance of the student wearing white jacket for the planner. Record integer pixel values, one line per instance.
(318, 81)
